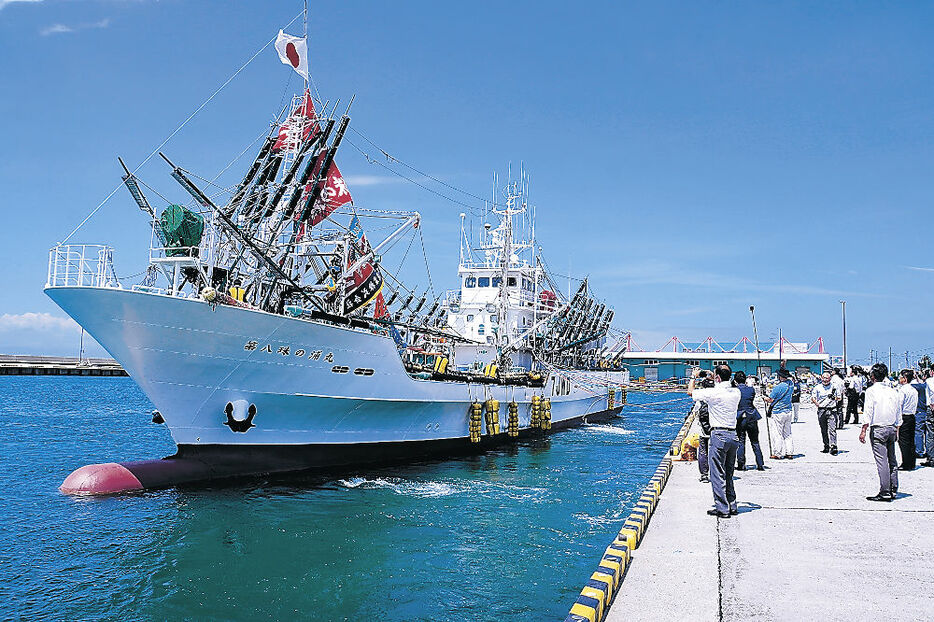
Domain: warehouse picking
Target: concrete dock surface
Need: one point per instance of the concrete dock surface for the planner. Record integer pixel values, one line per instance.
(806, 544)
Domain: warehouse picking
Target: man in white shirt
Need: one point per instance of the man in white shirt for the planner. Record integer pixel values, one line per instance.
(840, 390)
(906, 431)
(722, 405)
(854, 387)
(882, 414)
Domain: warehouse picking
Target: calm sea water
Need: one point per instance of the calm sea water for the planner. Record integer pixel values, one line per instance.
(509, 535)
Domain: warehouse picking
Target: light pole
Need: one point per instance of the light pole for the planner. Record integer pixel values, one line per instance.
(755, 334)
(843, 302)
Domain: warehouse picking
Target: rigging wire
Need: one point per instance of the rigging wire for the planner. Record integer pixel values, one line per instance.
(392, 158)
(431, 285)
(474, 210)
(404, 256)
(176, 131)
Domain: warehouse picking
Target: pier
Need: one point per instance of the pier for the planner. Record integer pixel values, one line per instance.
(805, 545)
(21, 365)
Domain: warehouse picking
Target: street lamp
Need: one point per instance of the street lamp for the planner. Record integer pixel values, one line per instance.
(843, 302)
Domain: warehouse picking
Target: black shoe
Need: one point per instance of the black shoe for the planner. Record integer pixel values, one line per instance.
(718, 513)
(734, 512)
(927, 463)
(705, 479)
(904, 468)
(740, 467)
(825, 450)
(882, 496)
(894, 494)
(762, 468)
(833, 451)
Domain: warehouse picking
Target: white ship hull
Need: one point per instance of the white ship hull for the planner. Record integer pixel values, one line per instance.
(322, 395)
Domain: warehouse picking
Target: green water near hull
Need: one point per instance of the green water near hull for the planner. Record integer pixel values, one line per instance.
(508, 535)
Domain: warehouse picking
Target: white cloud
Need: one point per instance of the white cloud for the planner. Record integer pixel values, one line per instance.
(654, 272)
(55, 29)
(920, 269)
(43, 322)
(371, 180)
(4, 3)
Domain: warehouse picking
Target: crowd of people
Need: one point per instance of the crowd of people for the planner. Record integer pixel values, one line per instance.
(897, 412)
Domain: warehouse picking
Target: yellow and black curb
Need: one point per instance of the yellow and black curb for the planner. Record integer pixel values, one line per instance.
(595, 599)
(682, 434)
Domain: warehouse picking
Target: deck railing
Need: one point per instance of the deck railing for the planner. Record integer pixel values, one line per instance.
(81, 265)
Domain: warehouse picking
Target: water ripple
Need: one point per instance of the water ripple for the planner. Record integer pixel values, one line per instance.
(428, 541)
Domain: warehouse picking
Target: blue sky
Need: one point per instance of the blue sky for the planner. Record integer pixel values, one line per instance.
(693, 158)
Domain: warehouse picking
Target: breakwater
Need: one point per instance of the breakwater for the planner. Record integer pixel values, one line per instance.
(22, 365)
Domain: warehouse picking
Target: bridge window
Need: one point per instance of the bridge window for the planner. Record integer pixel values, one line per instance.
(483, 281)
(511, 281)
(497, 280)
(470, 282)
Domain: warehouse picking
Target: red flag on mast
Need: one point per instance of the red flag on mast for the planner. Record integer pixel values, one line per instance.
(303, 117)
(334, 194)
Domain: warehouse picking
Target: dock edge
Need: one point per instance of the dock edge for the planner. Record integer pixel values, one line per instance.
(598, 593)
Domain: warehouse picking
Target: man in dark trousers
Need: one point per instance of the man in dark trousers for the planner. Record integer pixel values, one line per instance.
(854, 385)
(747, 423)
(906, 431)
(722, 405)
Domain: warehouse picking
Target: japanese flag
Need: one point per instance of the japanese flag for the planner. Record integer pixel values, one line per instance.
(293, 51)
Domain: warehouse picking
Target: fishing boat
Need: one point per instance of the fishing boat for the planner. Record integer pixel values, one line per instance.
(272, 335)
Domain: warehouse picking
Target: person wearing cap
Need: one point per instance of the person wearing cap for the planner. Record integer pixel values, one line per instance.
(882, 414)
(781, 414)
(722, 404)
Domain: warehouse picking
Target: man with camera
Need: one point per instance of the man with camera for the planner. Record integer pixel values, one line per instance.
(824, 396)
(722, 404)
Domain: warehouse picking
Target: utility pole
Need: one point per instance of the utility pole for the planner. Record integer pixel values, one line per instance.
(781, 342)
(843, 302)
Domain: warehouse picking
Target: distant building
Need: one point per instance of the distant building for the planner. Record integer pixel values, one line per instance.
(675, 359)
